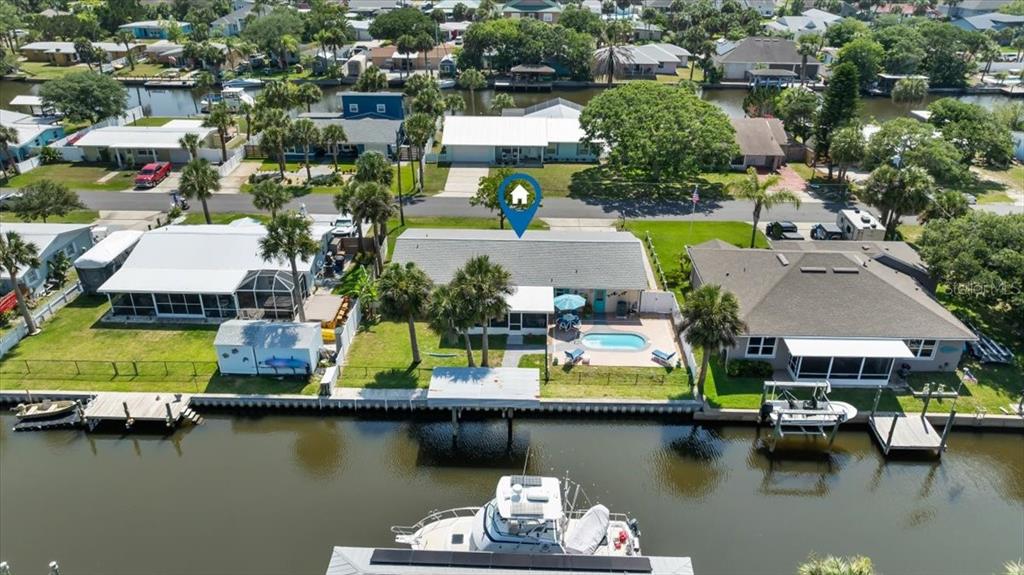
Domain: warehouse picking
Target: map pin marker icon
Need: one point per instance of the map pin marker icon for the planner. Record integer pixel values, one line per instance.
(519, 197)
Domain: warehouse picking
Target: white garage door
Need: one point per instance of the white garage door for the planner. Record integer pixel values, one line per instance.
(460, 154)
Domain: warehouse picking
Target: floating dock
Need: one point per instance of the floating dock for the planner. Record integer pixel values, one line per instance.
(901, 432)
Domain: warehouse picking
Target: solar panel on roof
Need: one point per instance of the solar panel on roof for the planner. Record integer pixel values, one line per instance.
(553, 562)
(527, 508)
(471, 559)
(436, 558)
(510, 561)
(478, 560)
(527, 480)
(391, 556)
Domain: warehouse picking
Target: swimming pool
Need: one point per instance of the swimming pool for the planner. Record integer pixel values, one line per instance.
(614, 341)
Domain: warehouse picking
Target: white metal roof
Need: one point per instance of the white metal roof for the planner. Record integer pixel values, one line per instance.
(26, 100)
(532, 299)
(162, 137)
(806, 347)
(509, 131)
(193, 259)
(27, 127)
(264, 334)
(40, 235)
(108, 249)
(476, 386)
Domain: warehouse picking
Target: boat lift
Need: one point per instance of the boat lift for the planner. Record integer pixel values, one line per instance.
(791, 416)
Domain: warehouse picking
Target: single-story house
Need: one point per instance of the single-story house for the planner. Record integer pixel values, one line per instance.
(553, 108)
(646, 32)
(363, 135)
(760, 52)
(644, 61)
(544, 10)
(972, 8)
(64, 53)
(899, 256)
(448, 6)
(50, 240)
(360, 30)
(134, 145)
(260, 347)
(33, 132)
(375, 105)
(830, 315)
(211, 272)
(762, 143)
(165, 52)
(106, 257)
(233, 23)
(603, 267)
(147, 29)
(994, 21)
(515, 140)
(766, 8)
(389, 59)
(371, 7)
(811, 21)
(453, 30)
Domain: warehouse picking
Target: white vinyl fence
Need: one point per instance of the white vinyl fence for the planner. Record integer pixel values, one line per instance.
(654, 301)
(29, 164)
(40, 314)
(235, 158)
(344, 335)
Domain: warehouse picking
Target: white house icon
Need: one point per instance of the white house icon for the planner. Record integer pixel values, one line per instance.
(520, 196)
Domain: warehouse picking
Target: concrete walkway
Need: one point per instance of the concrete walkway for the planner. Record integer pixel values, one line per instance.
(513, 353)
(581, 224)
(463, 181)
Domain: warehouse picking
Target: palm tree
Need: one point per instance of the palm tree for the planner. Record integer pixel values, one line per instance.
(373, 202)
(190, 143)
(472, 79)
(289, 237)
(16, 253)
(500, 102)
(424, 43)
(308, 94)
(373, 79)
(274, 140)
(83, 47)
(419, 128)
(404, 292)
(220, 118)
(333, 136)
(286, 45)
(405, 45)
(8, 136)
(454, 103)
(711, 321)
(305, 133)
(126, 39)
(613, 36)
(246, 110)
(807, 45)
(373, 167)
(487, 285)
(754, 190)
(271, 196)
(836, 566)
(912, 90)
(198, 182)
(448, 312)
(203, 81)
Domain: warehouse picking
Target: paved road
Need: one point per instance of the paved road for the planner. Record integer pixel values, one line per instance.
(433, 206)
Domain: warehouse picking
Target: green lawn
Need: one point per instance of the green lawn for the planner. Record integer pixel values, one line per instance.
(910, 233)
(74, 217)
(142, 69)
(602, 382)
(683, 74)
(153, 121)
(1012, 177)
(125, 358)
(381, 355)
(593, 181)
(195, 216)
(76, 177)
(395, 230)
(995, 198)
(434, 178)
(47, 71)
(670, 239)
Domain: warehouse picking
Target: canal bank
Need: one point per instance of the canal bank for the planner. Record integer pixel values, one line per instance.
(271, 494)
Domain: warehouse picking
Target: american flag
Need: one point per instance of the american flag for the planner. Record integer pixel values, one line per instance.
(695, 197)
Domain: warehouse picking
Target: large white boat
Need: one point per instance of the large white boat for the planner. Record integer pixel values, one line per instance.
(529, 514)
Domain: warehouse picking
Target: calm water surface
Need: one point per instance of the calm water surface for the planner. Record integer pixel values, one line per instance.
(257, 495)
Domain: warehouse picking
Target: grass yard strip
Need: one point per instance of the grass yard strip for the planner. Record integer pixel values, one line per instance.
(995, 198)
(141, 70)
(195, 216)
(152, 121)
(73, 217)
(381, 356)
(434, 178)
(76, 177)
(47, 71)
(604, 382)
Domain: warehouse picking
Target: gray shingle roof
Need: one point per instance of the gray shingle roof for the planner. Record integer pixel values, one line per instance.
(759, 136)
(581, 260)
(359, 131)
(765, 51)
(807, 297)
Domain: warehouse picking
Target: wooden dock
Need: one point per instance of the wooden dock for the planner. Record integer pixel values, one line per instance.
(131, 408)
(899, 432)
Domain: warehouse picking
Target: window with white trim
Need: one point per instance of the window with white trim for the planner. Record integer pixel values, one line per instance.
(922, 348)
(761, 347)
(547, 17)
(353, 108)
(381, 108)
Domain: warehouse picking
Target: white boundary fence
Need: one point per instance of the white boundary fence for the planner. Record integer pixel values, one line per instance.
(29, 164)
(344, 335)
(654, 301)
(40, 314)
(235, 158)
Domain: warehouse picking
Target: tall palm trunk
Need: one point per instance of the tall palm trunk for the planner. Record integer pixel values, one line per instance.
(22, 304)
(305, 158)
(295, 290)
(704, 360)
(223, 146)
(757, 218)
(484, 347)
(419, 161)
(412, 340)
(206, 211)
(280, 160)
(334, 156)
(469, 349)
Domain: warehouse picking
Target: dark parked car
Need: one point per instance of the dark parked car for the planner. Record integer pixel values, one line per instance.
(783, 231)
(826, 232)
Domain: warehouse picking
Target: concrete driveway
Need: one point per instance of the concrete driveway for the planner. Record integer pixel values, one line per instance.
(232, 183)
(463, 180)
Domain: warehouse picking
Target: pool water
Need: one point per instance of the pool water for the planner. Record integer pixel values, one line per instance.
(614, 341)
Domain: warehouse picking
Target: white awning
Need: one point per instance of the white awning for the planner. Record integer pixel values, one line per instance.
(532, 299)
(894, 348)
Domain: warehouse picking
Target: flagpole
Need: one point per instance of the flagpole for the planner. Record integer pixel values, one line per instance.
(693, 207)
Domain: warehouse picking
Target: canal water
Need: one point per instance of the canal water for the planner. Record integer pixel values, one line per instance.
(272, 494)
(168, 102)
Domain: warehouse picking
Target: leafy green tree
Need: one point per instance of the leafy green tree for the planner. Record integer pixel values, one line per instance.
(487, 193)
(404, 21)
(847, 147)
(487, 286)
(614, 54)
(419, 83)
(449, 312)
(500, 102)
(373, 167)
(404, 293)
(429, 102)
(915, 144)
(373, 79)
(797, 107)
(220, 117)
(273, 141)
(897, 192)
(45, 198)
(306, 135)
(404, 46)
(844, 31)
(910, 91)
(454, 103)
(752, 189)
(866, 55)
(836, 566)
(278, 94)
(8, 136)
(711, 321)
(973, 130)
(290, 237)
(203, 83)
(333, 136)
(15, 254)
(58, 268)
(245, 109)
(662, 132)
(308, 94)
(946, 204)
(271, 31)
(198, 182)
(271, 196)
(840, 105)
(85, 96)
(472, 79)
(581, 19)
(761, 102)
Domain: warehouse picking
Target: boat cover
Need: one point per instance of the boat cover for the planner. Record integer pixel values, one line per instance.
(585, 535)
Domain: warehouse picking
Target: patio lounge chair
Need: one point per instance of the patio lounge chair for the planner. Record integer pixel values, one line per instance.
(662, 356)
(572, 356)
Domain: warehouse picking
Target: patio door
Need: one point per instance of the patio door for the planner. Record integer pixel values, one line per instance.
(599, 301)
(515, 322)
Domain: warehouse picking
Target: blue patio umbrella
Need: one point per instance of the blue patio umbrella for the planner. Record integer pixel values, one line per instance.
(569, 301)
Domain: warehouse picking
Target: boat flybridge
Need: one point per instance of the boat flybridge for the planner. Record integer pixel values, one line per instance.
(529, 514)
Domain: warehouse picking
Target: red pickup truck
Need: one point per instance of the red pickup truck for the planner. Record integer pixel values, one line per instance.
(152, 174)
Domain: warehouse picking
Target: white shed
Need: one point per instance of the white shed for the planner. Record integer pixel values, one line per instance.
(267, 347)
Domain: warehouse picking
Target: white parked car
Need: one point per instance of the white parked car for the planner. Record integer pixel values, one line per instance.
(344, 226)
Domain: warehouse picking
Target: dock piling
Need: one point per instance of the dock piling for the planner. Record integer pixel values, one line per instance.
(892, 430)
(54, 568)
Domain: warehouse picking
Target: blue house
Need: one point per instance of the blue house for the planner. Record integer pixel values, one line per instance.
(154, 28)
(372, 105)
(33, 132)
